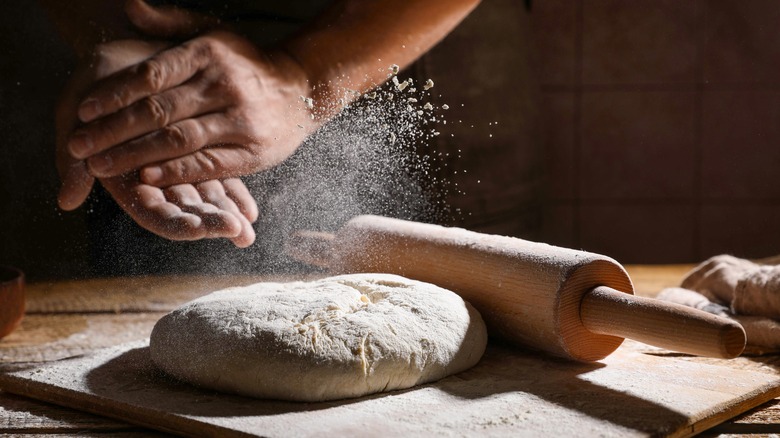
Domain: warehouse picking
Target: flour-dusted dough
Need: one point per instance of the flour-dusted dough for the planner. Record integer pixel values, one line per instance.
(338, 337)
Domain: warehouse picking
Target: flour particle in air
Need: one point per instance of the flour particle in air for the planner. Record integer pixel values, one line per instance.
(375, 157)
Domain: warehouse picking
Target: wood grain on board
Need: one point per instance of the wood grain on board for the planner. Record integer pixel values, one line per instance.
(24, 415)
(509, 392)
(646, 391)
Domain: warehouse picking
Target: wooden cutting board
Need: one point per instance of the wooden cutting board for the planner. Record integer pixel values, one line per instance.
(510, 392)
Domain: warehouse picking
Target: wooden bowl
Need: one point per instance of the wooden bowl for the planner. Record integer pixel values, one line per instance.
(11, 299)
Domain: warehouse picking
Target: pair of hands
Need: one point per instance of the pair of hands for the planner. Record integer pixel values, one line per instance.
(166, 127)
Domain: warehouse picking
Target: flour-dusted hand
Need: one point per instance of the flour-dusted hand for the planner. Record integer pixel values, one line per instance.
(216, 106)
(210, 209)
(212, 107)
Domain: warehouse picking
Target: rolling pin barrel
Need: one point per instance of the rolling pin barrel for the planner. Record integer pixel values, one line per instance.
(571, 303)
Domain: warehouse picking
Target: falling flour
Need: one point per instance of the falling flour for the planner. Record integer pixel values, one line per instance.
(374, 157)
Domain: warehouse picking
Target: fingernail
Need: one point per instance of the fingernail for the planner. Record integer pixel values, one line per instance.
(81, 145)
(152, 175)
(100, 166)
(90, 110)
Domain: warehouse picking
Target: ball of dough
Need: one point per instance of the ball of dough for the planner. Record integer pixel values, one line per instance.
(334, 338)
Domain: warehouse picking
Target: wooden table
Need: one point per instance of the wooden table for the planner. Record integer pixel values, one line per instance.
(78, 317)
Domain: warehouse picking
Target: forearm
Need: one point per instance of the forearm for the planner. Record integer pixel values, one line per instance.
(354, 42)
(85, 23)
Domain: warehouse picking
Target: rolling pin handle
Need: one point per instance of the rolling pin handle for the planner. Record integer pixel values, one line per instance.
(667, 325)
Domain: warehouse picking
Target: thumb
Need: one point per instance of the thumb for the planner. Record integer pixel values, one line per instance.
(76, 185)
(167, 21)
(76, 179)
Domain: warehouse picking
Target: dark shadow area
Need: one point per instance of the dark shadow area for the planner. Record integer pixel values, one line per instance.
(742, 429)
(132, 378)
(35, 235)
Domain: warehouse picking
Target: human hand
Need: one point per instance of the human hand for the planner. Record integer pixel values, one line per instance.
(212, 107)
(184, 212)
(209, 209)
(104, 60)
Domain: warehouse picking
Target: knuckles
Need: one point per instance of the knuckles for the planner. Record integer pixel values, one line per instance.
(152, 73)
(206, 164)
(215, 45)
(120, 98)
(205, 47)
(175, 137)
(159, 110)
(109, 57)
(184, 136)
(223, 71)
(226, 85)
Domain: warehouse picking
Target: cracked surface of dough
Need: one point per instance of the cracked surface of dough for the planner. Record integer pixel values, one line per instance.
(334, 338)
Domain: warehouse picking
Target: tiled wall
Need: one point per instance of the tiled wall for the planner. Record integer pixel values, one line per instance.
(663, 123)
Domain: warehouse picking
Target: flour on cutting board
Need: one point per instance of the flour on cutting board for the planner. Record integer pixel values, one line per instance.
(510, 392)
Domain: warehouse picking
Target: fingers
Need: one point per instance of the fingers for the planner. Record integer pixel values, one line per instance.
(179, 212)
(216, 222)
(214, 192)
(144, 116)
(172, 141)
(167, 22)
(216, 162)
(162, 71)
(150, 209)
(160, 216)
(238, 192)
(76, 186)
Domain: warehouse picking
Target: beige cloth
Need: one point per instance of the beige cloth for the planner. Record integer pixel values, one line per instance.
(748, 288)
(740, 289)
(763, 334)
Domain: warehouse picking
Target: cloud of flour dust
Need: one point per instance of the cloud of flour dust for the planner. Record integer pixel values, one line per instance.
(375, 157)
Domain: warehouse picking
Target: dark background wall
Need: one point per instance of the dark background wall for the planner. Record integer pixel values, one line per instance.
(34, 234)
(661, 120)
(663, 139)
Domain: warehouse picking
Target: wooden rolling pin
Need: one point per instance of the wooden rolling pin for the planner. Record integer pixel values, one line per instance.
(570, 303)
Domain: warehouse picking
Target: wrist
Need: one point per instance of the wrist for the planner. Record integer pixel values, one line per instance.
(318, 89)
(321, 86)
(349, 48)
